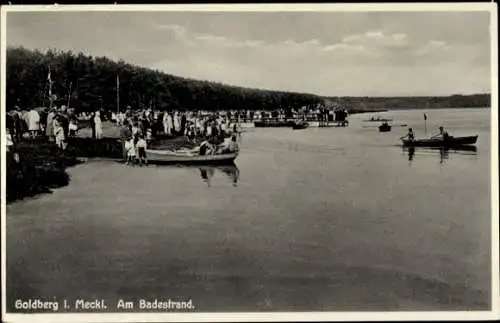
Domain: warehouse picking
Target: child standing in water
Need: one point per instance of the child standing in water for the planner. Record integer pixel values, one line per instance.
(141, 150)
(130, 148)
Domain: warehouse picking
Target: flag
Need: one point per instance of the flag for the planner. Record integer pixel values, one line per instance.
(49, 79)
(425, 116)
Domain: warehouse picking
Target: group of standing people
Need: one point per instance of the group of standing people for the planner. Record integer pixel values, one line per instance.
(23, 121)
(56, 124)
(155, 123)
(53, 124)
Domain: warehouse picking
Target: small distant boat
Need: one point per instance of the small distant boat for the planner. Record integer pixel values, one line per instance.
(384, 127)
(450, 142)
(171, 157)
(300, 125)
(377, 120)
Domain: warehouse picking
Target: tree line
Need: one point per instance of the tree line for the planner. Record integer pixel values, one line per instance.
(89, 83)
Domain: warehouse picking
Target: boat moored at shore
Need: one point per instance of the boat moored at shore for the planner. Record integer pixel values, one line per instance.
(300, 125)
(170, 157)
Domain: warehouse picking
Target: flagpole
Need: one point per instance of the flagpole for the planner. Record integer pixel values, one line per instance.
(118, 94)
(49, 78)
(425, 124)
(69, 93)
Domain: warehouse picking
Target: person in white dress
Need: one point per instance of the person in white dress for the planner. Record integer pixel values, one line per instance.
(177, 123)
(170, 124)
(98, 125)
(165, 123)
(49, 130)
(33, 122)
(130, 148)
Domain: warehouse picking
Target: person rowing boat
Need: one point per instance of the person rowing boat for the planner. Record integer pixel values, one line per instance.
(443, 134)
(410, 135)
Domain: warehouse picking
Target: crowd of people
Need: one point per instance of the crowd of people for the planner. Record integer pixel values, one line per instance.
(175, 123)
(215, 133)
(56, 124)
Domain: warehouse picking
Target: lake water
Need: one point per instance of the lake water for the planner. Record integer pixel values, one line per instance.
(333, 219)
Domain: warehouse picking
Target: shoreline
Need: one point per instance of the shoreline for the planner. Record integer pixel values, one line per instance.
(42, 167)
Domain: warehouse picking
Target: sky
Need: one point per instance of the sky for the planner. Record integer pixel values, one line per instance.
(325, 53)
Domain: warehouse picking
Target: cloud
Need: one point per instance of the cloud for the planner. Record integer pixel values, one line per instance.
(212, 38)
(377, 39)
(253, 43)
(343, 47)
(375, 35)
(432, 47)
(176, 32)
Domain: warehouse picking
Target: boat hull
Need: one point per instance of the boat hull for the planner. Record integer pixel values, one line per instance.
(451, 142)
(273, 124)
(300, 126)
(378, 120)
(166, 157)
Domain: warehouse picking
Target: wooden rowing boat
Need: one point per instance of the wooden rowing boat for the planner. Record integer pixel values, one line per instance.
(450, 142)
(171, 157)
(300, 125)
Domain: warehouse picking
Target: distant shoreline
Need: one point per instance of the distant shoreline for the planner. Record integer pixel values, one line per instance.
(443, 108)
(419, 108)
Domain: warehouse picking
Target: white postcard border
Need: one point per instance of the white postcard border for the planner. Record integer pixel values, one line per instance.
(264, 316)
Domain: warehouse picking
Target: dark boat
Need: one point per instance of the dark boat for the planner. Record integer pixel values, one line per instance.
(384, 127)
(450, 142)
(300, 125)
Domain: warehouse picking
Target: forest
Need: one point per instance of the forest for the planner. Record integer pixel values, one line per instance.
(89, 83)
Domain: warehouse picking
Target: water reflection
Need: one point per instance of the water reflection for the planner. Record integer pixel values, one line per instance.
(444, 153)
(208, 172)
(411, 153)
